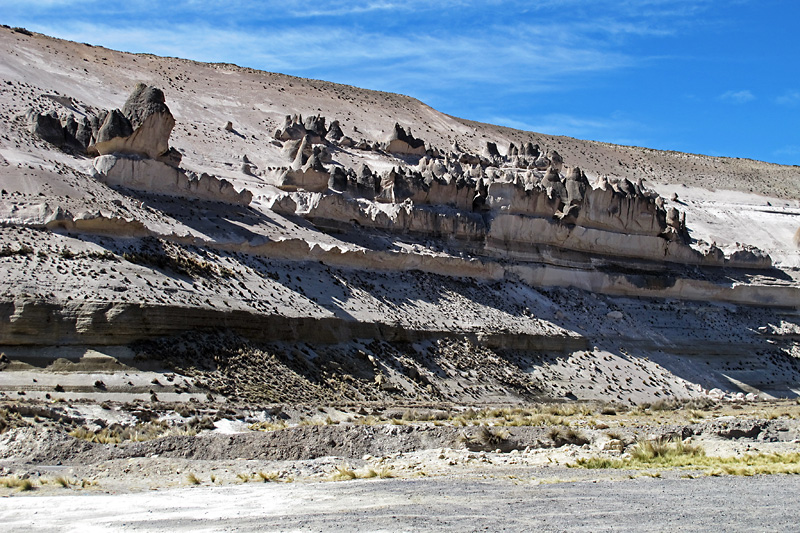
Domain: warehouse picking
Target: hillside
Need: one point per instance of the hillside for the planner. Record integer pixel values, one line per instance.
(221, 228)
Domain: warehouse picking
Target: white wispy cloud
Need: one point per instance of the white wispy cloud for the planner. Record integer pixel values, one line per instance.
(607, 128)
(788, 150)
(373, 59)
(737, 97)
(489, 53)
(789, 98)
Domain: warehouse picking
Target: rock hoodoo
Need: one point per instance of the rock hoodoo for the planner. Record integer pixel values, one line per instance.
(141, 129)
(402, 142)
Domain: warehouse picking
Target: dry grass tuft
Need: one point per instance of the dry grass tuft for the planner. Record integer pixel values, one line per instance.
(268, 426)
(486, 438)
(14, 482)
(138, 433)
(679, 454)
(268, 476)
(561, 436)
(664, 451)
(344, 473)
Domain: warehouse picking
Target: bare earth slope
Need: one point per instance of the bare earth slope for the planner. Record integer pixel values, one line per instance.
(415, 260)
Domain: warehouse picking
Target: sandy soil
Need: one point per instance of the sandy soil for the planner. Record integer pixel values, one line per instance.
(465, 504)
(418, 476)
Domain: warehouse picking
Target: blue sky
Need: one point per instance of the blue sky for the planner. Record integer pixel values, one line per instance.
(717, 77)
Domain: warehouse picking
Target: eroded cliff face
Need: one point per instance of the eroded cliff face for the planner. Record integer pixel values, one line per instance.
(112, 236)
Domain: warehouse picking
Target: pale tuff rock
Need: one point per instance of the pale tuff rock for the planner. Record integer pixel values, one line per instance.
(307, 173)
(523, 207)
(358, 184)
(541, 162)
(314, 131)
(367, 184)
(46, 126)
(518, 233)
(335, 132)
(402, 142)
(400, 185)
(142, 128)
(64, 132)
(292, 148)
(315, 125)
(299, 151)
(752, 255)
(153, 176)
(556, 161)
(399, 217)
(135, 153)
(145, 101)
(491, 151)
(292, 129)
(330, 265)
(96, 222)
(283, 204)
(576, 186)
(338, 179)
(531, 150)
(115, 124)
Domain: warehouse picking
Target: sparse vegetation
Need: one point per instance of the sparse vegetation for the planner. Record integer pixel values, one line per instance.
(679, 454)
(268, 476)
(103, 256)
(561, 436)
(137, 433)
(486, 438)
(193, 479)
(8, 251)
(268, 426)
(343, 473)
(10, 419)
(661, 450)
(385, 473)
(167, 256)
(13, 482)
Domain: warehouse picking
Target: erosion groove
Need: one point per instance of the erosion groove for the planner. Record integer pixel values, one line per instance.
(99, 323)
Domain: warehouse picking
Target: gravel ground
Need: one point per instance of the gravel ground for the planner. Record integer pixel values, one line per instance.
(387, 474)
(761, 503)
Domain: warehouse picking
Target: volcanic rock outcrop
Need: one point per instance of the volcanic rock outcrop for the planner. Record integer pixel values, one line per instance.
(153, 176)
(402, 142)
(135, 154)
(523, 210)
(141, 129)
